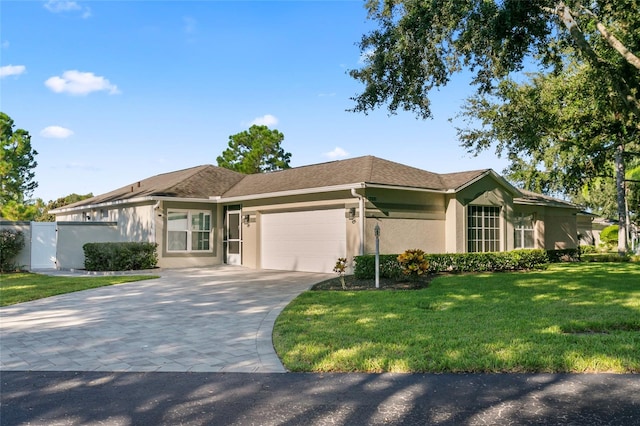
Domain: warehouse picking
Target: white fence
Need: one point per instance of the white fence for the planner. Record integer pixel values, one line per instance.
(58, 245)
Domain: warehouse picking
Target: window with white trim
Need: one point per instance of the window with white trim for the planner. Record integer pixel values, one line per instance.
(188, 230)
(523, 231)
(483, 232)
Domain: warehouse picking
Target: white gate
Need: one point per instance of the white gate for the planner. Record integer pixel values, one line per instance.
(43, 245)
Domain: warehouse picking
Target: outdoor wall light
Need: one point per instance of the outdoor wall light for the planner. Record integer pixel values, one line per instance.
(245, 219)
(352, 214)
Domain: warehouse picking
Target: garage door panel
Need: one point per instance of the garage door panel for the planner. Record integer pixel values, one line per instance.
(303, 241)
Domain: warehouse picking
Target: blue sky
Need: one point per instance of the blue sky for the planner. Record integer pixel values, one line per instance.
(116, 91)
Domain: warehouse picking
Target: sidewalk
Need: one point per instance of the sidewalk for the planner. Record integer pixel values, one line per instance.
(91, 398)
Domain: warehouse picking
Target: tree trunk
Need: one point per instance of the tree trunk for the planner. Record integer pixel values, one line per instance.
(620, 190)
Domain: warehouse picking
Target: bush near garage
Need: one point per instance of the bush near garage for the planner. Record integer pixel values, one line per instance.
(120, 256)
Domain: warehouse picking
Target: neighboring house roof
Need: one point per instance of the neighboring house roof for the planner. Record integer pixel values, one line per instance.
(196, 182)
(210, 182)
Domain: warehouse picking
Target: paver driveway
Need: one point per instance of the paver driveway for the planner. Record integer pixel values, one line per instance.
(206, 320)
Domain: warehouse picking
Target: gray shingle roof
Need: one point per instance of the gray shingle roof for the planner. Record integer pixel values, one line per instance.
(530, 197)
(196, 182)
(366, 169)
(210, 181)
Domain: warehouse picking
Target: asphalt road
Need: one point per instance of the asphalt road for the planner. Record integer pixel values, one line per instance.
(103, 398)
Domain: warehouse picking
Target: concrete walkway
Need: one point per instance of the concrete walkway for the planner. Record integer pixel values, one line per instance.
(190, 320)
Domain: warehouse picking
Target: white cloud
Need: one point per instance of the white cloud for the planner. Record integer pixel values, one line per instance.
(265, 120)
(57, 6)
(60, 6)
(56, 132)
(80, 83)
(8, 70)
(336, 153)
(5, 44)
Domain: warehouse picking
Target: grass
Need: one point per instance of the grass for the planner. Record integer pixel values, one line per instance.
(569, 318)
(23, 287)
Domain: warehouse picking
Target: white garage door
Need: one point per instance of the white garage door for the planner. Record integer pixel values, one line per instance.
(309, 241)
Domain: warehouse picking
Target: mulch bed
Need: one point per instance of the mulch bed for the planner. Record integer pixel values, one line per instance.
(354, 284)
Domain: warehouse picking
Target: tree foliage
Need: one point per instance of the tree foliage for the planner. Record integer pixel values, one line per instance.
(559, 127)
(256, 150)
(44, 215)
(418, 45)
(17, 161)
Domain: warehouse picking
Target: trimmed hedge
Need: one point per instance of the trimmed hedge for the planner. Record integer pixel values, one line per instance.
(564, 255)
(120, 256)
(454, 262)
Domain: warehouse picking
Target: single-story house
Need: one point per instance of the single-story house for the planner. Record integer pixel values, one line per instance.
(305, 218)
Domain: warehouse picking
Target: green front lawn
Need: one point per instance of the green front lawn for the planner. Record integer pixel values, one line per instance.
(569, 318)
(23, 287)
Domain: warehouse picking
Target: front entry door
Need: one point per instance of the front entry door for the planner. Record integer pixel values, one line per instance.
(234, 241)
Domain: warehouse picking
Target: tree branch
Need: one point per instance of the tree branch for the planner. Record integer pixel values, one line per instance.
(613, 41)
(566, 16)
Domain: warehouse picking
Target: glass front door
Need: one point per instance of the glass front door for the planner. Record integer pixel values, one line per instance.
(234, 241)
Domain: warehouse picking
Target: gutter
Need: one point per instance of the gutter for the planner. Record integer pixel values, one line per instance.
(302, 191)
(130, 201)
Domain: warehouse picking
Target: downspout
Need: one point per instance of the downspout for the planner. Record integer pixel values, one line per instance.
(153, 222)
(361, 214)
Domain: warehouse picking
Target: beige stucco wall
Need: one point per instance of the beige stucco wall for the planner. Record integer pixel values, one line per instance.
(398, 235)
(555, 228)
(134, 222)
(561, 230)
(407, 220)
(589, 236)
(23, 259)
(73, 235)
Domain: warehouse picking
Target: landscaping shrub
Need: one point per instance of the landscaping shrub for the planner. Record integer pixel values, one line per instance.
(607, 257)
(364, 267)
(609, 235)
(413, 263)
(564, 255)
(340, 269)
(120, 256)
(454, 262)
(588, 249)
(11, 242)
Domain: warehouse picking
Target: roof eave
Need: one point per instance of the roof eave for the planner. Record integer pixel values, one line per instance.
(409, 188)
(132, 201)
(527, 202)
(292, 192)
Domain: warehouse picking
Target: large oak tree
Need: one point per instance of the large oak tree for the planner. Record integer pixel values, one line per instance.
(420, 44)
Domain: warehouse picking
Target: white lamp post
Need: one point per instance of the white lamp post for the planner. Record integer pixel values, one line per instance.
(376, 231)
